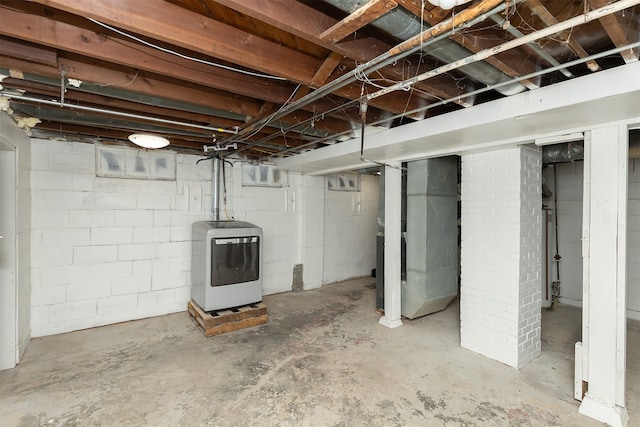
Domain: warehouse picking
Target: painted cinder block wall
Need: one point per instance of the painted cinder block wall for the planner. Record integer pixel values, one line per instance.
(500, 260)
(350, 229)
(105, 250)
(569, 193)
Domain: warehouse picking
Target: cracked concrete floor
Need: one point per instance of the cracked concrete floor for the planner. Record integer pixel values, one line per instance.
(322, 360)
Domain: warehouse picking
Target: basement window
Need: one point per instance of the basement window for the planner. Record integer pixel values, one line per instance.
(135, 164)
(263, 176)
(343, 182)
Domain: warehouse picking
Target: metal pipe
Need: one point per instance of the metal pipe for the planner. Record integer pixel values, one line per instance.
(404, 25)
(546, 253)
(534, 47)
(437, 32)
(525, 77)
(484, 54)
(488, 88)
(115, 113)
(215, 188)
(555, 289)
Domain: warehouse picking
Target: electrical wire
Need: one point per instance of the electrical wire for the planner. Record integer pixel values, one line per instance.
(262, 126)
(183, 56)
(490, 52)
(401, 51)
(481, 90)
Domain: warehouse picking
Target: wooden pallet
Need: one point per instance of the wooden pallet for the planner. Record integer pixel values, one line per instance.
(230, 319)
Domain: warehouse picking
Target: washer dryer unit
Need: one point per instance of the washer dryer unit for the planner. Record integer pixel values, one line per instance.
(226, 264)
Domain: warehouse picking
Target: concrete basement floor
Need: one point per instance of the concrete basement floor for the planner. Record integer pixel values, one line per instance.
(322, 360)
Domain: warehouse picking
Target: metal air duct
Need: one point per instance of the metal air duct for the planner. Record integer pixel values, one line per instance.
(561, 153)
(403, 25)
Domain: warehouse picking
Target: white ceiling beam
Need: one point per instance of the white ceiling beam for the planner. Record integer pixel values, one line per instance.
(572, 106)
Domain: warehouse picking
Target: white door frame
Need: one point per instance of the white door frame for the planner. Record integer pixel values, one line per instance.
(9, 351)
(604, 326)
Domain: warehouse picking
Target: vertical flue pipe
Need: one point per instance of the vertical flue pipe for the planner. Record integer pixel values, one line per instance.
(215, 188)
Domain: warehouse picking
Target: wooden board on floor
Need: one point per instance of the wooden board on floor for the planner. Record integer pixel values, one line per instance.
(227, 320)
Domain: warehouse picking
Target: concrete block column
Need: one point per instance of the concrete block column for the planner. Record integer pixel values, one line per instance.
(604, 289)
(392, 232)
(500, 259)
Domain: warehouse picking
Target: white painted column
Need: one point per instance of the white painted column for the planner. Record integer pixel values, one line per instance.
(15, 246)
(312, 230)
(604, 317)
(392, 236)
(500, 259)
(8, 285)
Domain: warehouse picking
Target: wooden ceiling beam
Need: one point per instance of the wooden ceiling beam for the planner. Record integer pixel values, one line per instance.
(99, 117)
(513, 67)
(74, 95)
(358, 19)
(185, 141)
(266, 109)
(539, 10)
(59, 35)
(136, 117)
(622, 27)
(193, 31)
(114, 104)
(108, 133)
(124, 52)
(147, 85)
(324, 72)
(307, 23)
(123, 78)
(30, 52)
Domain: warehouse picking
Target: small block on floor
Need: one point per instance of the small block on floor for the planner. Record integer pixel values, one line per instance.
(218, 322)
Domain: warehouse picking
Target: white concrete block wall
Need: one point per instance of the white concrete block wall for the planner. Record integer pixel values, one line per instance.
(500, 262)
(105, 250)
(350, 224)
(277, 211)
(569, 193)
(303, 223)
(569, 189)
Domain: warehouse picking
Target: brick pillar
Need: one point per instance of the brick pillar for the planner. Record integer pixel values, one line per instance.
(501, 265)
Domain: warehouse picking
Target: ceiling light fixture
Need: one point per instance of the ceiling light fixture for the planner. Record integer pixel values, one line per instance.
(448, 4)
(147, 140)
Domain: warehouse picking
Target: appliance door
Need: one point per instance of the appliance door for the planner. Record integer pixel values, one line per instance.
(234, 260)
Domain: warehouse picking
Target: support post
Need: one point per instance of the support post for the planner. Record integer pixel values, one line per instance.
(392, 236)
(604, 317)
(500, 261)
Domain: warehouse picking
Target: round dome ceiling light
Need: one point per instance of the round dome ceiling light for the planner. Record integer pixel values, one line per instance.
(447, 4)
(146, 140)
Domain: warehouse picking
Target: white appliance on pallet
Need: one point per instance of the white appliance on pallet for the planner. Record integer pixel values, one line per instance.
(226, 264)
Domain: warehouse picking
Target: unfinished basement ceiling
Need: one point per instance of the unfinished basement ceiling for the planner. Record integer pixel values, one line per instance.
(271, 79)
